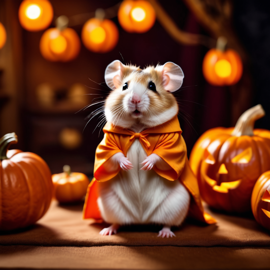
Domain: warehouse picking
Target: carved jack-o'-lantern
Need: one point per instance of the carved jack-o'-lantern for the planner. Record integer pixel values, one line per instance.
(260, 200)
(229, 162)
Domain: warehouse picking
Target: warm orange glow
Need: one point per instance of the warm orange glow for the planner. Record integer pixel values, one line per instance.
(70, 138)
(58, 45)
(208, 157)
(225, 186)
(33, 12)
(267, 213)
(266, 196)
(35, 15)
(98, 35)
(243, 157)
(222, 169)
(230, 185)
(3, 35)
(136, 16)
(222, 68)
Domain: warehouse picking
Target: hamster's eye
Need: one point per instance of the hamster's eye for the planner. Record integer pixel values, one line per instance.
(125, 87)
(152, 86)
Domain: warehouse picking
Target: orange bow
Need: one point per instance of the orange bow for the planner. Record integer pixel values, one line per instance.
(141, 137)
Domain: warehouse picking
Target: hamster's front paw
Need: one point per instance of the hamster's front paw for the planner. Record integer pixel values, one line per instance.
(123, 161)
(166, 232)
(110, 230)
(149, 162)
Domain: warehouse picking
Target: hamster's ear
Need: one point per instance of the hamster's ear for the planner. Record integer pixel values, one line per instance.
(172, 76)
(114, 74)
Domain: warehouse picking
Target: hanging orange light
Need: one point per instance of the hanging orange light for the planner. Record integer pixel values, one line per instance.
(222, 67)
(35, 15)
(60, 43)
(3, 35)
(99, 35)
(136, 16)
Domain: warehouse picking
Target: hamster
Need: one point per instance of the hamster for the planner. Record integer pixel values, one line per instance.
(141, 99)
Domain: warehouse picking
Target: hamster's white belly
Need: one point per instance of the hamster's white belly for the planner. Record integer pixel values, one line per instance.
(138, 196)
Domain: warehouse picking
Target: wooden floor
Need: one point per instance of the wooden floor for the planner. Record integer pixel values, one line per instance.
(62, 240)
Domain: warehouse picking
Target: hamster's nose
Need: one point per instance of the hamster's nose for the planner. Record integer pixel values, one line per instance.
(135, 99)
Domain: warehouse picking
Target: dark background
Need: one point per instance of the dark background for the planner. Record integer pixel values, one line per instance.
(202, 106)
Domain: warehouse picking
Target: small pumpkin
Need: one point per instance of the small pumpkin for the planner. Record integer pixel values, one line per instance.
(69, 186)
(260, 200)
(99, 35)
(26, 186)
(228, 162)
(60, 45)
(136, 16)
(222, 67)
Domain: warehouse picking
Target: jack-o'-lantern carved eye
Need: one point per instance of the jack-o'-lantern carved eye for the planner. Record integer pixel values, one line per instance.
(266, 196)
(208, 157)
(243, 157)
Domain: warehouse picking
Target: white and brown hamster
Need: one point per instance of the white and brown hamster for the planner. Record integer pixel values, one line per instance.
(140, 100)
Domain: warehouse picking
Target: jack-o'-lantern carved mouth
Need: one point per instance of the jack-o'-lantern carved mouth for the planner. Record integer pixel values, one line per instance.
(266, 198)
(224, 186)
(221, 185)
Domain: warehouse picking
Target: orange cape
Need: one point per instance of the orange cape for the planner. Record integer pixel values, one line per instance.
(164, 140)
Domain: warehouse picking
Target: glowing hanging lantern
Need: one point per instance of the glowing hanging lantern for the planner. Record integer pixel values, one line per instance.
(35, 15)
(60, 43)
(99, 35)
(136, 16)
(3, 35)
(222, 67)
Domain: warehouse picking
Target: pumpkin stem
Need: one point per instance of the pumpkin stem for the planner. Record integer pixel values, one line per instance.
(100, 14)
(221, 44)
(5, 142)
(67, 170)
(61, 22)
(245, 123)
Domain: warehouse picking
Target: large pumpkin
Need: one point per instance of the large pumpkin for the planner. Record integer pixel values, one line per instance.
(222, 67)
(228, 162)
(260, 200)
(26, 186)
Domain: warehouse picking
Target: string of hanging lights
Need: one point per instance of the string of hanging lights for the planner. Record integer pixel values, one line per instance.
(35, 15)
(100, 34)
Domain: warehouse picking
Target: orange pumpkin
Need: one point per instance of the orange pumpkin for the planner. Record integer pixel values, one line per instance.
(26, 186)
(222, 67)
(3, 35)
(35, 15)
(136, 16)
(57, 45)
(69, 187)
(260, 200)
(228, 162)
(99, 35)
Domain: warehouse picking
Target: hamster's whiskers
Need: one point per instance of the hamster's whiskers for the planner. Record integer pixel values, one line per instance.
(100, 124)
(98, 111)
(117, 113)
